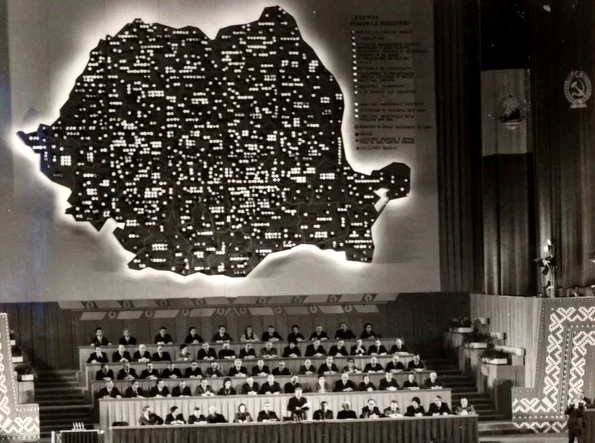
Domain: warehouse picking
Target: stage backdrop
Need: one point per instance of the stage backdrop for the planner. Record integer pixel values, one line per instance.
(379, 54)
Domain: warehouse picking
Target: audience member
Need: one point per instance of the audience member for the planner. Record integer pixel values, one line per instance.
(150, 372)
(439, 407)
(206, 353)
(98, 356)
(268, 351)
(142, 355)
(395, 365)
(267, 415)
(250, 387)
(368, 333)
(343, 333)
(464, 407)
(328, 367)
(281, 369)
(291, 385)
(105, 373)
(410, 383)
(171, 371)
(148, 418)
(99, 339)
(193, 371)
(377, 348)
(415, 409)
(339, 349)
(416, 364)
(388, 383)
(321, 385)
(127, 373)
(393, 411)
(344, 384)
(295, 335)
(127, 339)
(371, 410)
(307, 368)
(242, 416)
(196, 417)
(399, 347)
(226, 353)
(181, 390)
(109, 391)
(193, 338)
(204, 389)
(214, 370)
(249, 335)
(351, 368)
(163, 337)
(318, 334)
(260, 369)
(358, 348)
(315, 349)
(221, 335)
(324, 413)
(366, 384)
(160, 390)
(247, 351)
(134, 390)
(271, 335)
(174, 417)
(373, 366)
(433, 382)
(226, 389)
(214, 416)
(292, 350)
(270, 386)
(161, 355)
(298, 406)
(238, 370)
(346, 412)
(184, 354)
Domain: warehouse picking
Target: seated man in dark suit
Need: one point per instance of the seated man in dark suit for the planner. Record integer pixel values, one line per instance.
(358, 348)
(366, 384)
(377, 348)
(368, 333)
(149, 418)
(439, 407)
(127, 339)
(298, 406)
(339, 349)
(271, 335)
(121, 355)
(307, 368)
(196, 417)
(343, 333)
(160, 390)
(221, 335)
(150, 372)
(238, 370)
(98, 356)
(324, 413)
(433, 382)
(351, 368)
(416, 364)
(292, 385)
(134, 390)
(171, 371)
(214, 370)
(181, 390)
(281, 369)
(371, 410)
(395, 365)
(260, 369)
(388, 383)
(393, 411)
(250, 387)
(344, 384)
(295, 334)
(206, 353)
(174, 417)
(328, 367)
(373, 366)
(464, 408)
(267, 415)
(399, 347)
(315, 349)
(127, 373)
(204, 389)
(193, 338)
(346, 412)
(410, 383)
(226, 353)
(161, 355)
(163, 337)
(248, 351)
(142, 355)
(99, 339)
(292, 350)
(270, 386)
(193, 371)
(215, 417)
(109, 391)
(105, 373)
(416, 409)
(318, 334)
(268, 351)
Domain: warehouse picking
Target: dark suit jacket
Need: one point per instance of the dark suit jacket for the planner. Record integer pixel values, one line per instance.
(340, 387)
(342, 415)
(409, 384)
(429, 384)
(388, 411)
(218, 337)
(177, 392)
(100, 375)
(320, 415)
(214, 372)
(103, 393)
(366, 412)
(122, 374)
(411, 411)
(202, 391)
(153, 419)
(303, 370)
(154, 392)
(324, 368)
(147, 374)
(401, 349)
(165, 339)
(365, 335)
(439, 410)
(96, 342)
(227, 353)
(370, 368)
(217, 418)
(576, 419)
(279, 371)
(194, 419)
(412, 365)
(364, 387)
(137, 355)
(289, 352)
(295, 407)
(266, 336)
(390, 366)
(246, 389)
(223, 391)
(356, 351)
(248, 353)
(189, 373)
(202, 355)
(243, 417)
(320, 336)
(294, 337)
(344, 334)
(384, 384)
(233, 371)
(380, 350)
(311, 350)
(167, 373)
(93, 356)
(130, 341)
(289, 387)
(263, 415)
(170, 418)
(131, 394)
(190, 339)
(116, 357)
(268, 389)
(164, 357)
(335, 350)
(256, 370)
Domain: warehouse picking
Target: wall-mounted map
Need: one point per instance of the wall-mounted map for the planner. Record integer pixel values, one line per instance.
(213, 153)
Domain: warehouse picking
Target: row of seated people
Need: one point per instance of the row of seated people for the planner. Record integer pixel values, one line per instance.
(250, 387)
(315, 349)
(271, 334)
(297, 410)
(260, 369)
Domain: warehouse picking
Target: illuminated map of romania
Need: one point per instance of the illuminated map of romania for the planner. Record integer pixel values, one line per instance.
(213, 153)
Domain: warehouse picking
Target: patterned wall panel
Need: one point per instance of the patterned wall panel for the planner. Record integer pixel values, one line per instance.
(564, 366)
(17, 422)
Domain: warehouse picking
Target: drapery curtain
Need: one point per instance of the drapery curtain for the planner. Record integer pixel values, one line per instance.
(563, 37)
(458, 118)
(415, 430)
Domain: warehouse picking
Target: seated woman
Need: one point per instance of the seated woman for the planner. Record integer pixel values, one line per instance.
(242, 416)
(249, 335)
(292, 350)
(295, 334)
(226, 389)
(184, 354)
(368, 333)
(366, 384)
(193, 337)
